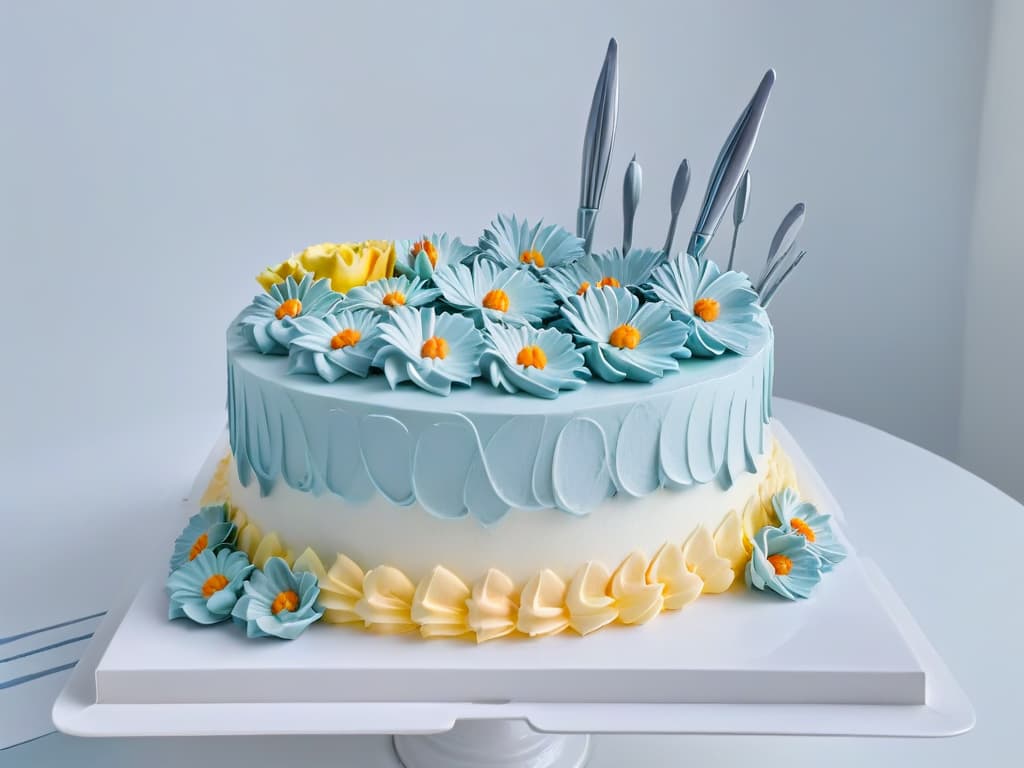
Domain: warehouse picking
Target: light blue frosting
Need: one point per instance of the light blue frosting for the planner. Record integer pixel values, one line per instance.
(788, 507)
(806, 567)
(313, 351)
(254, 607)
(481, 452)
(505, 240)
(465, 286)
(371, 296)
(212, 521)
(596, 315)
(402, 340)
(631, 271)
(682, 280)
(450, 250)
(185, 586)
(271, 335)
(564, 368)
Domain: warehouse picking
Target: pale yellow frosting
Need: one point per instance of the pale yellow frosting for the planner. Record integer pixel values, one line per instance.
(701, 558)
(493, 606)
(386, 604)
(442, 605)
(637, 600)
(439, 605)
(680, 585)
(542, 609)
(590, 606)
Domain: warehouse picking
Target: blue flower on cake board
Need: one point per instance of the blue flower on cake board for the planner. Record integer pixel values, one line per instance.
(624, 340)
(600, 270)
(209, 529)
(277, 602)
(389, 294)
(720, 307)
(207, 588)
(269, 322)
(419, 258)
(432, 351)
(343, 342)
(488, 292)
(803, 518)
(513, 243)
(538, 362)
(782, 563)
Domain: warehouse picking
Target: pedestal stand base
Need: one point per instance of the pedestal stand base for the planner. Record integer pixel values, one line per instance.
(493, 744)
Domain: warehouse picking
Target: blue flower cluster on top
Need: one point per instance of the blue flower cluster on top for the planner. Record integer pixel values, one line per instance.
(528, 309)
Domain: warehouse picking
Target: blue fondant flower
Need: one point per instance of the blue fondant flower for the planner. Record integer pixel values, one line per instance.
(209, 529)
(419, 258)
(782, 563)
(433, 351)
(610, 268)
(803, 518)
(278, 602)
(389, 294)
(269, 322)
(625, 340)
(343, 342)
(514, 243)
(721, 308)
(207, 588)
(537, 362)
(486, 291)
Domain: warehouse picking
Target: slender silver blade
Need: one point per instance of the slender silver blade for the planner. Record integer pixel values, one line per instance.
(782, 242)
(632, 185)
(768, 295)
(597, 143)
(742, 202)
(680, 186)
(732, 162)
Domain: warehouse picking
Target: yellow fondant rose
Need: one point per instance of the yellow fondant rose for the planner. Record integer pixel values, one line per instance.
(346, 265)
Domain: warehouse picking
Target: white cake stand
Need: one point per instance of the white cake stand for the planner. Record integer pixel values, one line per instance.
(851, 662)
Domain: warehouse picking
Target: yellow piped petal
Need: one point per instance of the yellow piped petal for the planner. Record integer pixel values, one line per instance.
(638, 602)
(271, 546)
(493, 606)
(680, 585)
(729, 542)
(249, 538)
(386, 603)
(590, 606)
(542, 608)
(348, 265)
(272, 276)
(340, 590)
(439, 604)
(701, 558)
(310, 561)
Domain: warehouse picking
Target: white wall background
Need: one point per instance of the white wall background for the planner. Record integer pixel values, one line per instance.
(154, 158)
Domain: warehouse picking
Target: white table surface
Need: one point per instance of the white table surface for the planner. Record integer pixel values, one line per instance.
(947, 541)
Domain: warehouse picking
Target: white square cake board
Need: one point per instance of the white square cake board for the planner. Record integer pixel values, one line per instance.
(850, 661)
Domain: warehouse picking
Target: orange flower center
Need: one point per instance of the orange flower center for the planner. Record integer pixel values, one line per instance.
(496, 300)
(288, 308)
(532, 355)
(427, 247)
(198, 546)
(285, 601)
(215, 583)
(706, 309)
(608, 282)
(584, 287)
(802, 528)
(532, 257)
(625, 337)
(435, 347)
(347, 337)
(782, 564)
(393, 299)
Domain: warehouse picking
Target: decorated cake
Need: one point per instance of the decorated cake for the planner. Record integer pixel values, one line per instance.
(512, 436)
